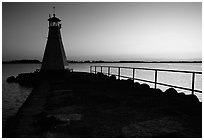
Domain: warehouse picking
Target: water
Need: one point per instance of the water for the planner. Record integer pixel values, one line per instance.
(14, 95)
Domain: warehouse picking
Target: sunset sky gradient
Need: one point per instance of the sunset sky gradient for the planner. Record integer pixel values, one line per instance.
(105, 31)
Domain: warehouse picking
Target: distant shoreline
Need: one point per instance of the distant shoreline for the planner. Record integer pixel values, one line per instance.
(38, 62)
(22, 62)
(138, 62)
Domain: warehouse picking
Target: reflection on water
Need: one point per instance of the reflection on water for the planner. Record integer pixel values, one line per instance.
(12, 98)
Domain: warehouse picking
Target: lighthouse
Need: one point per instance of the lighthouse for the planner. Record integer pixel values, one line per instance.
(54, 56)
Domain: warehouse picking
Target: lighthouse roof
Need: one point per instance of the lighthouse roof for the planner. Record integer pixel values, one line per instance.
(54, 19)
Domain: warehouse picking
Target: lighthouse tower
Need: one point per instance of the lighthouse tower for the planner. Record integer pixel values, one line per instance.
(54, 56)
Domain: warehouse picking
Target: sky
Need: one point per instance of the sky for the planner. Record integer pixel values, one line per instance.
(151, 31)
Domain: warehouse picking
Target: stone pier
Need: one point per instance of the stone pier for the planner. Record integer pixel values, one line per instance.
(97, 106)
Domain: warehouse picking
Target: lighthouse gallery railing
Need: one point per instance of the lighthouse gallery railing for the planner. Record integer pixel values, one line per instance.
(192, 89)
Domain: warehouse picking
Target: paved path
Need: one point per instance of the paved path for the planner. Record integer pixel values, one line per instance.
(32, 107)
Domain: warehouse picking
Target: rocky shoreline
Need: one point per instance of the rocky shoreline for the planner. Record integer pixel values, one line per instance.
(76, 104)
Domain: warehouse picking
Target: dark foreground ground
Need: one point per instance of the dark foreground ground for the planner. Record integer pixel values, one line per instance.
(98, 106)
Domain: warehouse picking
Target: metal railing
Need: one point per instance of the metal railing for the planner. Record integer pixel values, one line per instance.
(192, 89)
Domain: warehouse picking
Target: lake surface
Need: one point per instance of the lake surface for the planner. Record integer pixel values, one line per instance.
(14, 95)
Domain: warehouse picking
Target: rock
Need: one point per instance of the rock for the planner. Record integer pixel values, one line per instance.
(181, 94)
(112, 77)
(11, 79)
(191, 99)
(170, 91)
(101, 76)
(137, 85)
(28, 79)
(130, 80)
(145, 87)
(125, 84)
(157, 91)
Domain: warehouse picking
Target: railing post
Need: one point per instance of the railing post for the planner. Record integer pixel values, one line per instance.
(108, 71)
(90, 69)
(133, 75)
(95, 69)
(193, 81)
(155, 86)
(119, 73)
(101, 69)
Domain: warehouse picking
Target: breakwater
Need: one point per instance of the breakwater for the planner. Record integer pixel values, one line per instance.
(75, 104)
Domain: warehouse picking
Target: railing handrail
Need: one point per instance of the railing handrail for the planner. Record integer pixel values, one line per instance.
(182, 71)
(155, 80)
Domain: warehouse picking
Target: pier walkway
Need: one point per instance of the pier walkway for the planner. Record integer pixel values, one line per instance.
(94, 105)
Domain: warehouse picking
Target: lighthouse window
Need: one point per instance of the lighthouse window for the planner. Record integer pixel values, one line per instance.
(53, 24)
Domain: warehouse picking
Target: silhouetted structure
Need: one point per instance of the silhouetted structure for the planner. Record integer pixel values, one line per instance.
(54, 56)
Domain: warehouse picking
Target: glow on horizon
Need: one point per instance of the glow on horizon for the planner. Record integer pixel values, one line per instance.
(105, 31)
